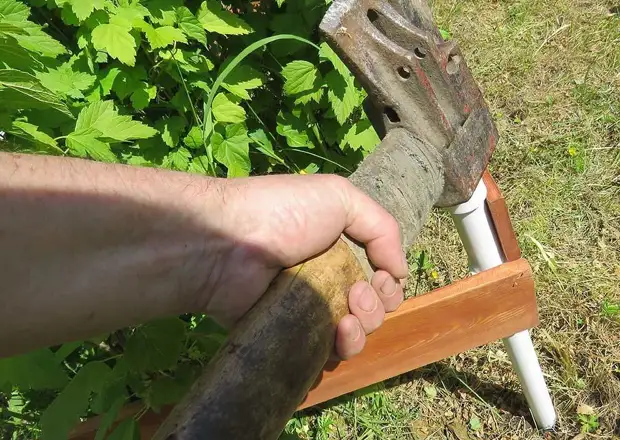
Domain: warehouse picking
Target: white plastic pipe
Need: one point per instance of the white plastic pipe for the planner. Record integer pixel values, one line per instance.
(475, 227)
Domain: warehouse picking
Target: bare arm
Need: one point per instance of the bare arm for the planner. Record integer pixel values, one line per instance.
(86, 248)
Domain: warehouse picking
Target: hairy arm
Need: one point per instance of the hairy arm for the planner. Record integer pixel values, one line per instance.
(87, 248)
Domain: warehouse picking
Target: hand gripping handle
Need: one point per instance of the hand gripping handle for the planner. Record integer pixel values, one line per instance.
(272, 358)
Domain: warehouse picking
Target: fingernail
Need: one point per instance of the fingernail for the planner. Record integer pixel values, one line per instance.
(355, 334)
(368, 300)
(389, 287)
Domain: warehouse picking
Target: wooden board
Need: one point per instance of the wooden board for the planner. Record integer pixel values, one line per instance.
(501, 219)
(471, 312)
(488, 306)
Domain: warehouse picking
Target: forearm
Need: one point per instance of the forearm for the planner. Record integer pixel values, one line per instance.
(86, 248)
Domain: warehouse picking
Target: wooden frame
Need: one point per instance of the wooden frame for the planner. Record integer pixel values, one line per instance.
(479, 309)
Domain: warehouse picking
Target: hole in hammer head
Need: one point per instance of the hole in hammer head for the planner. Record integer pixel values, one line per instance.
(453, 64)
(420, 53)
(372, 15)
(391, 115)
(404, 72)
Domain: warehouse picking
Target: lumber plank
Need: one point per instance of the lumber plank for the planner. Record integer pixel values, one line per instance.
(501, 219)
(471, 312)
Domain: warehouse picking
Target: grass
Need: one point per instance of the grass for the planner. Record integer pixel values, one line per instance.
(550, 72)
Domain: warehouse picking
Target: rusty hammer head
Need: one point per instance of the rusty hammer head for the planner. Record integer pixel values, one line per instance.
(418, 82)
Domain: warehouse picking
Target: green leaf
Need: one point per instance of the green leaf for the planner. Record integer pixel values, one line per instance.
(13, 10)
(85, 142)
(200, 165)
(116, 41)
(128, 80)
(132, 13)
(231, 149)
(163, 12)
(474, 423)
(32, 133)
(311, 95)
(65, 350)
(226, 108)
(327, 53)
(194, 138)
(108, 419)
(169, 390)
(114, 389)
(208, 105)
(82, 8)
(300, 76)
(216, 19)
(171, 129)
(242, 79)
(189, 62)
(362, 135)
(37, 370)
(156, 345)
(128, 429)
(102, 116)
(107, 79)
(72, 402)
(21, 90)
(190, 25)
(141, 97)
(163, 36)
(294, 127)
(16, 57)
(64, 80)
(38, 41)
(263, 144)
(8, 28)
(342, 95)
(178, 159)
(209, 337)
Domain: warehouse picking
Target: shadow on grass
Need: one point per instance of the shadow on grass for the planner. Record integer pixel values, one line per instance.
(492, 395)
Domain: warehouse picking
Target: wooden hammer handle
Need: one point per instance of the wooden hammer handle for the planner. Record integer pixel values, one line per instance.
(272, 357)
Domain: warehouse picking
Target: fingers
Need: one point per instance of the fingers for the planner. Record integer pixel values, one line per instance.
(365, 304)
(350, 337)
(368, 304)
(372, 225)
(389, 290)
(367, 314)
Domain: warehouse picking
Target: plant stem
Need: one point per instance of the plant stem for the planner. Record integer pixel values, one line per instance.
(189, 98)
(275, 140)
(317, 134)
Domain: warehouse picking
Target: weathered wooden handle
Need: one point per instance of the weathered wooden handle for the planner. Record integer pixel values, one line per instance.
(257, 380)
(259, 377)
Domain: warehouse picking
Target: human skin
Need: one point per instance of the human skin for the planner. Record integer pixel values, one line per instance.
(87, 248)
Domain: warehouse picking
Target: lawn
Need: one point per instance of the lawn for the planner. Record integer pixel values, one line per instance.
(550, 71)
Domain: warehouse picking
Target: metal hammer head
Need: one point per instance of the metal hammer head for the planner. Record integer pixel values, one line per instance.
(418, 82)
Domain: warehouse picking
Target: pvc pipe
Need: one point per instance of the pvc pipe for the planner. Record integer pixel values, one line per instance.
(475, 227)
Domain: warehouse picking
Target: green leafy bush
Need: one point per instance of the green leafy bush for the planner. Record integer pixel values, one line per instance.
(228, 88)
(161, 83)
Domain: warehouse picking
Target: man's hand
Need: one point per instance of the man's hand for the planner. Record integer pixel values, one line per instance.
(87, 248)
(280, 221)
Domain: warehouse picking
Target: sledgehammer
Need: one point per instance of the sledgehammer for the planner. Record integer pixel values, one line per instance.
(437, 138)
